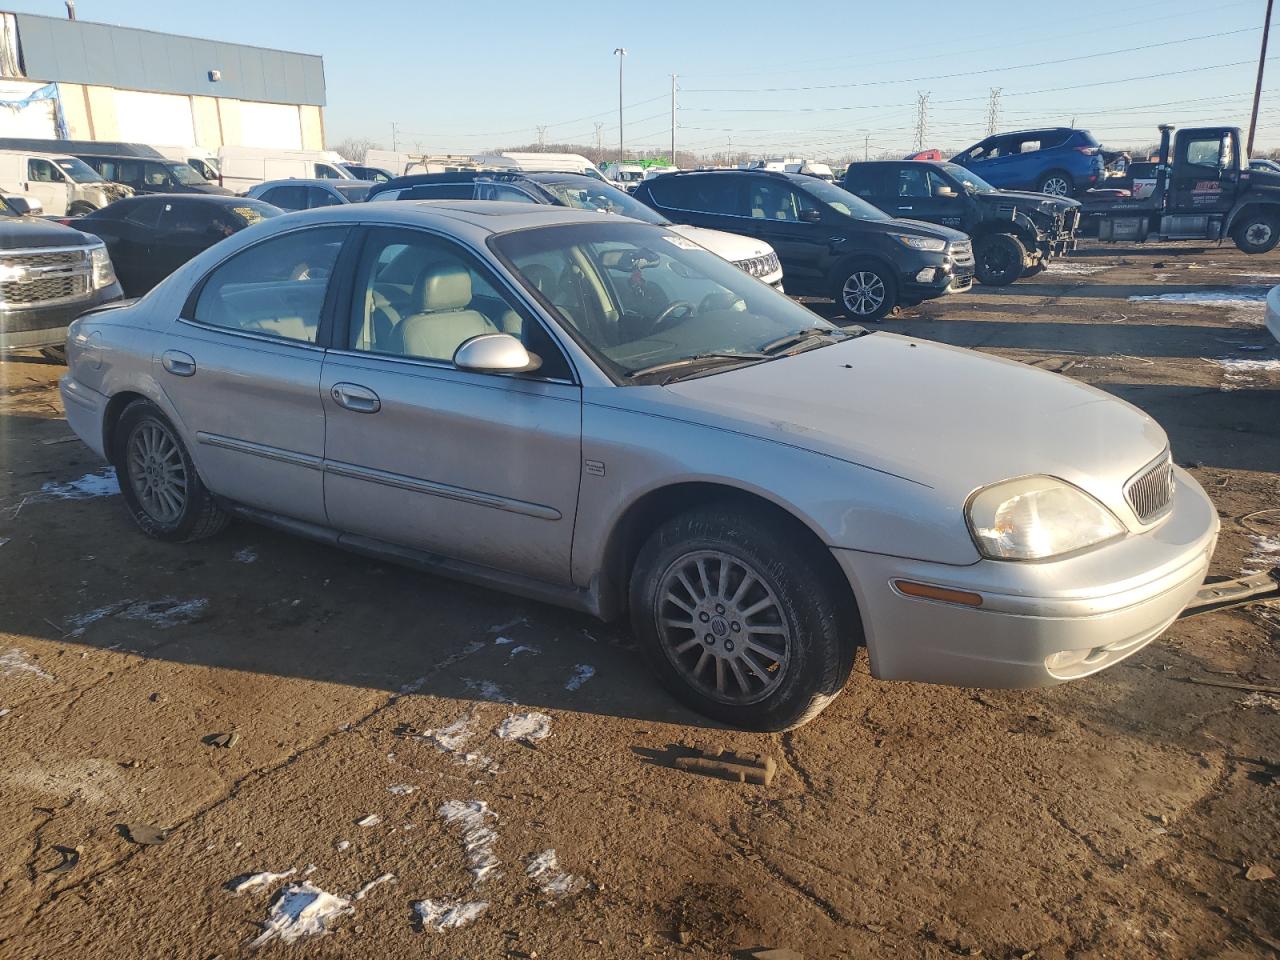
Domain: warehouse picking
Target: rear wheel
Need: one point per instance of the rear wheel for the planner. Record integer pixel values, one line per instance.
(1256, 232)
(1000, 258)
(739, 620)
(866, 291)
(158, 480)
(1057, 183)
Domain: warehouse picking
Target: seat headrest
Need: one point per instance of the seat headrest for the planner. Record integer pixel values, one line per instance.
(442, 288)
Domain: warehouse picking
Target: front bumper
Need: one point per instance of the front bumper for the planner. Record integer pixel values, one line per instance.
(1087, 611)
(46, 326)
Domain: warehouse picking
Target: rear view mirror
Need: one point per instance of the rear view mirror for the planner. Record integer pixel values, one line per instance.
(495, 353)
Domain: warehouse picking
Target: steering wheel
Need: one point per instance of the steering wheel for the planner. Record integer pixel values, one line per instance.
(683, 307)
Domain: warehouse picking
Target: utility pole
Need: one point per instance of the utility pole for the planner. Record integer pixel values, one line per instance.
(1257, 90)
(922, 118)
(599, 142)
(993, 111)
(673, 119)
(729, 161)
(621, 54)
(542, 137)
(866, 148)
(395, 139)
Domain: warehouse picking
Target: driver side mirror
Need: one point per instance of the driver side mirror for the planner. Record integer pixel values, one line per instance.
(495, 353)
(810, 216)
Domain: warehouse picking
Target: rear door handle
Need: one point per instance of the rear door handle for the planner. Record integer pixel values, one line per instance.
(353, 397)
(178, 363)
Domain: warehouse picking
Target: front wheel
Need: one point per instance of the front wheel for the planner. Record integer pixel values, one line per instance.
(158, 480)
(1000, 258)
(80, 209)
(866, 291)
(1056, 183)
(739, 620)
(1256, 233)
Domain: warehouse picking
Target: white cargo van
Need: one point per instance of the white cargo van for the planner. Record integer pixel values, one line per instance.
(540, 163)
(65, 186)
(204, 160)
(244, 167)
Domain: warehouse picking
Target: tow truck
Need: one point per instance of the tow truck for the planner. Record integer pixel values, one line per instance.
(1204, 190)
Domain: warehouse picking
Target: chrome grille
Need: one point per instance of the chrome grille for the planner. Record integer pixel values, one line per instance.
(962, 251)
(759, 266)
(1151, 491)
(43, 277)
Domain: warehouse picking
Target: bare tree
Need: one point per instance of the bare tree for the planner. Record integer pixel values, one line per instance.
(354, 148)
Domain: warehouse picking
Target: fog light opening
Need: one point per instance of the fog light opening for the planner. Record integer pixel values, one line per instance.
(925, 275)
(1065, 659)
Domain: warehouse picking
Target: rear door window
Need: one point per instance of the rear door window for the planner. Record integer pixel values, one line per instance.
(145, 213)
(870, 182)
(319, 197)
(700, 193)
(287, 198)
(275, 288)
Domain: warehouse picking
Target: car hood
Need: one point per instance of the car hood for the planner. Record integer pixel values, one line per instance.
(915, 228)
(941, 416)
(18, 233)
(1039, 201)
(729, 246)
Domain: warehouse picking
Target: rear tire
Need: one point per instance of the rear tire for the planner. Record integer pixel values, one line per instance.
(1256, 233)
(158, 479)
(741, 622)
(1057, 183)
(1000, 258)
(865, 291)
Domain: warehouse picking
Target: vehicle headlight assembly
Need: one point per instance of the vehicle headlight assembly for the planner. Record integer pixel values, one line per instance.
(932, 244)
(104, 274)
(1035, 518)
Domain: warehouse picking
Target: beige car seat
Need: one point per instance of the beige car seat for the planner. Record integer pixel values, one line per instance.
(442, 321)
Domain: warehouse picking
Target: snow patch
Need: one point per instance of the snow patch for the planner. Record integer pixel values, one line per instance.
(1221, 298)
(478, 838)
(301, 910)
(401, 789)
(523, 648)
(582, 672)
(251, 881)
(500, 641)
(525, 726)
(1074, 269)
(100, 484)
(442, 915)
(453, 739)
(3, 541)
(246, 555)
(544, 870)
(1260, 699)
(14, 662)
(372, 820)
(376, 881)
(342, 846)
(488, 690)
(1249, 366)
(1266, 554)
(164, 613)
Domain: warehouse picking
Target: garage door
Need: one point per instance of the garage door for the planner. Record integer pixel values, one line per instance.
(153, 117)
(270, 125)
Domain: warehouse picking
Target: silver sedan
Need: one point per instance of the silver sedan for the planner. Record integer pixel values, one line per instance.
(598, 413)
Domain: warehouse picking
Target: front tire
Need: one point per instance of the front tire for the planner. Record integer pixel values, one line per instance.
(1000, 258)
(1057, 183)
(740, 621)
(1256, 233)
(866, 291)
(158, 479)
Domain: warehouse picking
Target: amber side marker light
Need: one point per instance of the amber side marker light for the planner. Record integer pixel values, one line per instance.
(929, 592)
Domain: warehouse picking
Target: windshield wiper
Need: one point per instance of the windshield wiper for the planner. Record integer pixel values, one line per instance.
(782, 344)
(697, 360)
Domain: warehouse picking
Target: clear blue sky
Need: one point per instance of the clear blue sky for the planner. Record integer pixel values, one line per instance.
(467, 76)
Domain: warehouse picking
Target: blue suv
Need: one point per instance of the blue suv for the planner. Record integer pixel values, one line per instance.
(1056, 160)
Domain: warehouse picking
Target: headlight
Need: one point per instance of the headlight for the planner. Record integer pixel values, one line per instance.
(104, 274)
(932, 244)
(1036, 518)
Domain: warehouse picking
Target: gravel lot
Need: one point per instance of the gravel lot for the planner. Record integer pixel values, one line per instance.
(1113, 817)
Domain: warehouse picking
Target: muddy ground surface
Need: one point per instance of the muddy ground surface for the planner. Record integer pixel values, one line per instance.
(1112, 817)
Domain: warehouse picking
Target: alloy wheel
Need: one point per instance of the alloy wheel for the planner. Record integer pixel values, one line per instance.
(722, 627)
(1056, 186)
(863, 293)
(157, 473)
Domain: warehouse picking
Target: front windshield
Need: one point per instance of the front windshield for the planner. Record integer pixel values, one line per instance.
(841, 200)
(78, 170)
(186, 175)
(637, 297)
(968, 179)
(601, 197)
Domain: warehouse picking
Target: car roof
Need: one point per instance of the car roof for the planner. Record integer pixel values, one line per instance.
(801, 178)
(212, 199)
(1020, 133)
(307, 182)
(485, 216)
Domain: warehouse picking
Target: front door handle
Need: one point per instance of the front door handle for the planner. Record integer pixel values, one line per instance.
(353, 397)
(905, 208)
(178, 363)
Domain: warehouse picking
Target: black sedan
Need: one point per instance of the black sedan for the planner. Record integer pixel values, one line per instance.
(149, 237)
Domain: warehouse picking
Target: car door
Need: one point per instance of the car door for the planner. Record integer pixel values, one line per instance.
(924, 194)
(1205, 173)
(791, 222)
(320, 197)
(995, 160)
(186, 228)
(286, 198)
(241, 367)
(479, 468)
(47, 184)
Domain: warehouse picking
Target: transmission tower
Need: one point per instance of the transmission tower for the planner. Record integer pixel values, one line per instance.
(993, 111)
(542, 136)
(922, 118)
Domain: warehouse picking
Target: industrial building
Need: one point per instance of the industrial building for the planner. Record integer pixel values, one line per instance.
(73, 79)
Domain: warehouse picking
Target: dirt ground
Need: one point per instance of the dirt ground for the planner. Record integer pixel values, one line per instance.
(1112, 817)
